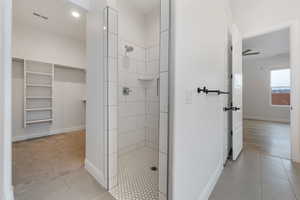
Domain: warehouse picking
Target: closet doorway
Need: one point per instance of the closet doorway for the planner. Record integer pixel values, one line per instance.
(48, 98)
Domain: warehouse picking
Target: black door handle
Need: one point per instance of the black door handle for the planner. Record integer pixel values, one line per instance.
(231, 108)
(236, 108)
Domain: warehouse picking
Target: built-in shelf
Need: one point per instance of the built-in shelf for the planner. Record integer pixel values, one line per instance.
(39, 73)
(38, 109)
(38, 92)
(38, 121)
(22, 60)
(39, 85)
(146, 78)
(38, 97)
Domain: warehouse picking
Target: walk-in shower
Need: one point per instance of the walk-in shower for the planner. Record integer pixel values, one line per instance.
(137, 115)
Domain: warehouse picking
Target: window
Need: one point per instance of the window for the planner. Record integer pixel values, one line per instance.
(280, 87)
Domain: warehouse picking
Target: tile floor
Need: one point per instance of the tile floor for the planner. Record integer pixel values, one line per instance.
(51, 168)
(47, 157)
(270, 137)
(258, 176)
(136, 180)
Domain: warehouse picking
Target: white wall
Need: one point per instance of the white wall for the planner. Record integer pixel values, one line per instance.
(6, 192)
(199, 36)
(68, 109)
(34, 44)
(255, 15)
(131, 24)
(1, 102)
(257, 99)
(96, 137)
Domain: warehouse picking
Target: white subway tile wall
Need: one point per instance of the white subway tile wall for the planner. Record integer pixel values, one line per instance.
(132, 133)
(139, 111)
(112, 94)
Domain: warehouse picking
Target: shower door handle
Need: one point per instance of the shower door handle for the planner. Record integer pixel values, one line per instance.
(158, 86)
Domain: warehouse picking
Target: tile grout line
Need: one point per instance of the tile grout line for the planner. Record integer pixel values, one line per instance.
(260, 175)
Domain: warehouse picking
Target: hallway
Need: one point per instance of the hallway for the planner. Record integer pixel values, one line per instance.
(258, 176)
(272, 138)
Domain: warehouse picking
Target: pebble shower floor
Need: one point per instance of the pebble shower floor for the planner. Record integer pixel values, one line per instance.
(136, 179)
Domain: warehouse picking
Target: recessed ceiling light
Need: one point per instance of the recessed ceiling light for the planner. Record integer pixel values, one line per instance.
(75, 14)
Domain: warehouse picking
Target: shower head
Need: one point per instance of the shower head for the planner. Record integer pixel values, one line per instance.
(129, 48)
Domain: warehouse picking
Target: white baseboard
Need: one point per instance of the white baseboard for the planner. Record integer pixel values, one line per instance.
(98, 175)
(211, 183)
(50, 132)
(9, 195)
(267, 119)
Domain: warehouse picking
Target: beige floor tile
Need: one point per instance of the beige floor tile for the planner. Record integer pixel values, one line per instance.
(277, 189)
(242, 190)
(53, 189)
(272, 167)
(257, 174)
(291, 167)
(48, 157)
(51, 168)
(212, 198)
(105, 196)
(295, 184)
(293, 171)
(82, 185)
(269, 137)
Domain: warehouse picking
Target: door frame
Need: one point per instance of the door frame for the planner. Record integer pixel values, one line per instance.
(293, 27)
(5, 101)
(6, 184)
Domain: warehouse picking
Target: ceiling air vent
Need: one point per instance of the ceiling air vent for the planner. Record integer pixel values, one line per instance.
(40, 16)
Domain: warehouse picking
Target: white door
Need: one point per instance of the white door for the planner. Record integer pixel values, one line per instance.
(237, 93)
(227, 103)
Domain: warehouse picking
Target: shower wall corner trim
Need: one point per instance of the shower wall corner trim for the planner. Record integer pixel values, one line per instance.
(111, 107)
(164, 101)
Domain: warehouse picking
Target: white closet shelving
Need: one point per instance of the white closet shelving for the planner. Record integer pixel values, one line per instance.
(38, 92)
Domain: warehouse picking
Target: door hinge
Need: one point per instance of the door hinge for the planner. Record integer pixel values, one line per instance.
(231, 133)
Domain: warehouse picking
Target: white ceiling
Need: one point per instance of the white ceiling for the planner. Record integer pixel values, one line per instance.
(59, 13)
(271, 44)
(145, 6)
